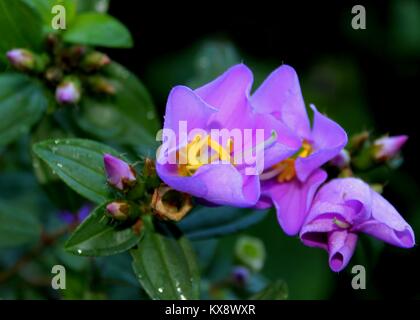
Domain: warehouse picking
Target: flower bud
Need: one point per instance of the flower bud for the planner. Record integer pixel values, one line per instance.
(119, 210)
(387, 148)
(119, 174)
(250, 251)
(341, 160)
(21, 59)
(94, 61)
(101, 85)
(169, 204)
(68, 92)
(53, 75)
(240, 275)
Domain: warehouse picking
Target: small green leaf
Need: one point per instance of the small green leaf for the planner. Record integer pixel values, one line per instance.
(22, 102)
(129, 118)
(44, 8)
(79, 163)
(20, 27)
(98, 29)
(205, 222)
(17, 226)
(100, 235)
(92, 5)
(165, 264)
(275, 291)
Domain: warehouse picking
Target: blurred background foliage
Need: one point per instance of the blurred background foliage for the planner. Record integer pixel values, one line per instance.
(363, 79)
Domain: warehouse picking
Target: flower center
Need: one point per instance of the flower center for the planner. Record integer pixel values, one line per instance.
(285, 170)
(341, 224)
(201, 151)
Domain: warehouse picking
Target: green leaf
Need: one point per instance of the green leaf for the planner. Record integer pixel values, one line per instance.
(98, 29)
(20, 27)
(128, 118)
(79, 163)
(100, 235)
(274, 291)
(17, 226)
(205, 222)
(44, 8)
(92, 5)
(22, 103)
(165, 264)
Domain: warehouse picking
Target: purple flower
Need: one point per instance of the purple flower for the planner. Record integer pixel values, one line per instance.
(21, 59)
(386, 148)
(240, 275)
(291, 184)
(344, 207)
(68, 92)
(70, 217)
(119, 174)
(220, 104)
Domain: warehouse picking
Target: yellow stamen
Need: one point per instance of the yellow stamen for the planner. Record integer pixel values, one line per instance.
(285, 170)
(196, 148)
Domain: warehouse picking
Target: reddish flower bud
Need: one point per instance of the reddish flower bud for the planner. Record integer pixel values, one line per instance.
(119, 210)
(386, 148)
(119, 174)
(21, 59)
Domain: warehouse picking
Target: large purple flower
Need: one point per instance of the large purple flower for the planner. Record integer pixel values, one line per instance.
(291, 183)
(220, 104)
(344, 207)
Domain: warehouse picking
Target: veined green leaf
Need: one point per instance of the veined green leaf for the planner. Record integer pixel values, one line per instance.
(22, 102)
(100, 235)
(165, 264)
(79, 163)
(98, 29)
(205, 222)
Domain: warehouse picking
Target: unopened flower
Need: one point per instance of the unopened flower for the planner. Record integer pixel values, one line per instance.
(222, 104)
(250, 251)
(345, 207)
(386, 148)
(119, 174)
(291, 183)
(21, 59)
(95, 60)
(341, 160)
(68, 92)
(101, 84)
(119, 210)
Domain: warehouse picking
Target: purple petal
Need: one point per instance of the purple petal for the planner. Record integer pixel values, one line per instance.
(67, 216)
(184, 105)
(341, 246)
(387, 224)
(221, 184)
(229, 94)
(327, 139)
(84, 212)
(348, 198)
(287, 143)
(280, 95)
(292, 199)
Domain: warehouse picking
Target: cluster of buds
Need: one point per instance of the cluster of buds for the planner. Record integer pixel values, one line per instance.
(364, 153)
(67, 69)
(138, 190)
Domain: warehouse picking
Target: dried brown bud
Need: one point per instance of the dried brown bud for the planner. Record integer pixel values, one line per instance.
(169, 204)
